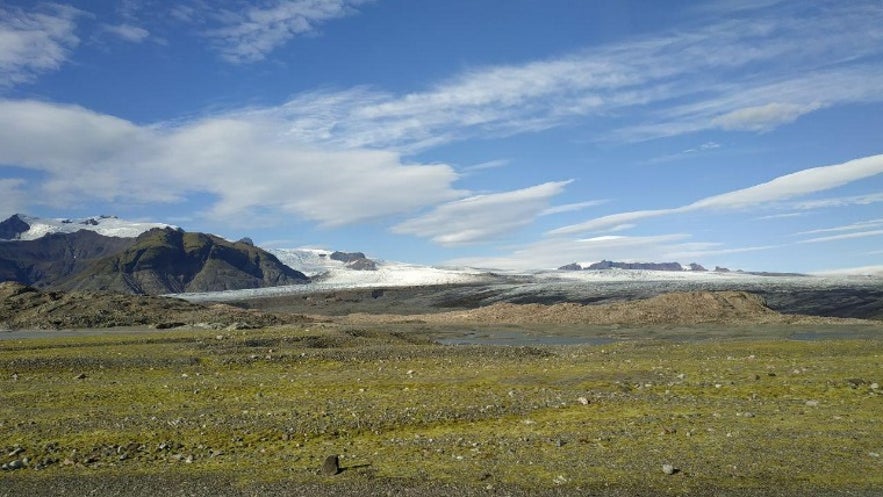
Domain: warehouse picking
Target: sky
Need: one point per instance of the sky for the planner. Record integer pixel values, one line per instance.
(510, 134)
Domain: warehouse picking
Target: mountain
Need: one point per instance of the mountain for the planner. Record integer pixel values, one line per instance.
(647, 266)
(47, 260)
(166, 260)
(24, 227)
(140, 258)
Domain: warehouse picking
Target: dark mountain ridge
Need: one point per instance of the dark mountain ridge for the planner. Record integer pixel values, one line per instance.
(159, 261)
(648, 266)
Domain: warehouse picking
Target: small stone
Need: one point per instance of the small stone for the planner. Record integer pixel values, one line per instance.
(812, 403)
(17, 464)
(559, 480)
(331, 466)
(668, 469)
(16, 451)
(582, 400)
(81, 376)
(747, 414)
(875, 386)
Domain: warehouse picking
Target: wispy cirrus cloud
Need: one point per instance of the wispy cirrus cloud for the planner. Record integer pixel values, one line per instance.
(481, 218)
(871, 198)
(669, 84)
(250, 34)
(861, 229)
(35, 42)
(844, 236)
(127, 32)
(778, 189)
(861, 225)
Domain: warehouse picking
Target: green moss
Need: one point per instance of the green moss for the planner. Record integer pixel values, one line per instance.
(276, 402)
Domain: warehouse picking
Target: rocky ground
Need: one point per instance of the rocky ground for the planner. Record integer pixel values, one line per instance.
(256, 412)
(23, 307)
(706, 394)
(676, 308)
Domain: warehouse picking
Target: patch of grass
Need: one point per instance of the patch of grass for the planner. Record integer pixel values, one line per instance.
(269, 405)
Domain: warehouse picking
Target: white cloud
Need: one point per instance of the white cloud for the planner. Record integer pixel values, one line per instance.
(35, 42)
(714, 69)
(717, 250)
(871, 198)
(483, 166)
(845, 236)
(576, 206)
(12, 197)
(128, 32)
(553, 253)
(763, 117)
(848, 227)
(251, 35)
(244, 162)
(482, 217)
(782, 188)
(782, 216)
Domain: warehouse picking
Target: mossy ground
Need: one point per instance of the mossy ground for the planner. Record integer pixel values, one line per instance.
(269, 405)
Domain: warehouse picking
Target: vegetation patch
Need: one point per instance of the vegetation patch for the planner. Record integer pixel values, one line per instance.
(268, 406)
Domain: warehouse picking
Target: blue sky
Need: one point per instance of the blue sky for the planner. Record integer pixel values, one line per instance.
(508, 134)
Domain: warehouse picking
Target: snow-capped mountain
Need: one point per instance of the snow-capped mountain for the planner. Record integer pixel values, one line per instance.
(24, 227)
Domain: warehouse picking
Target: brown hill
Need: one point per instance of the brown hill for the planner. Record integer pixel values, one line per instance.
(676, 308)
(24, 307)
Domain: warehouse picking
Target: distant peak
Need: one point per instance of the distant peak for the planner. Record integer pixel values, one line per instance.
(24, 227)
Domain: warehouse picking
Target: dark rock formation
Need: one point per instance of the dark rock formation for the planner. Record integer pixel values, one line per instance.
(49, 259)
(571, 267)
(355, 260)
(362, 265)
(696, 267)
(650, 266)
(13, 227)
(347, 256)
(718, 269)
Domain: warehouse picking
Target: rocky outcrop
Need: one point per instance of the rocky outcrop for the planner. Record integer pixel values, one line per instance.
(362, 265)
(355, 260)
(649, 266)
(347, 257)
(696, 267)
(13, 227)
(571, 267)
